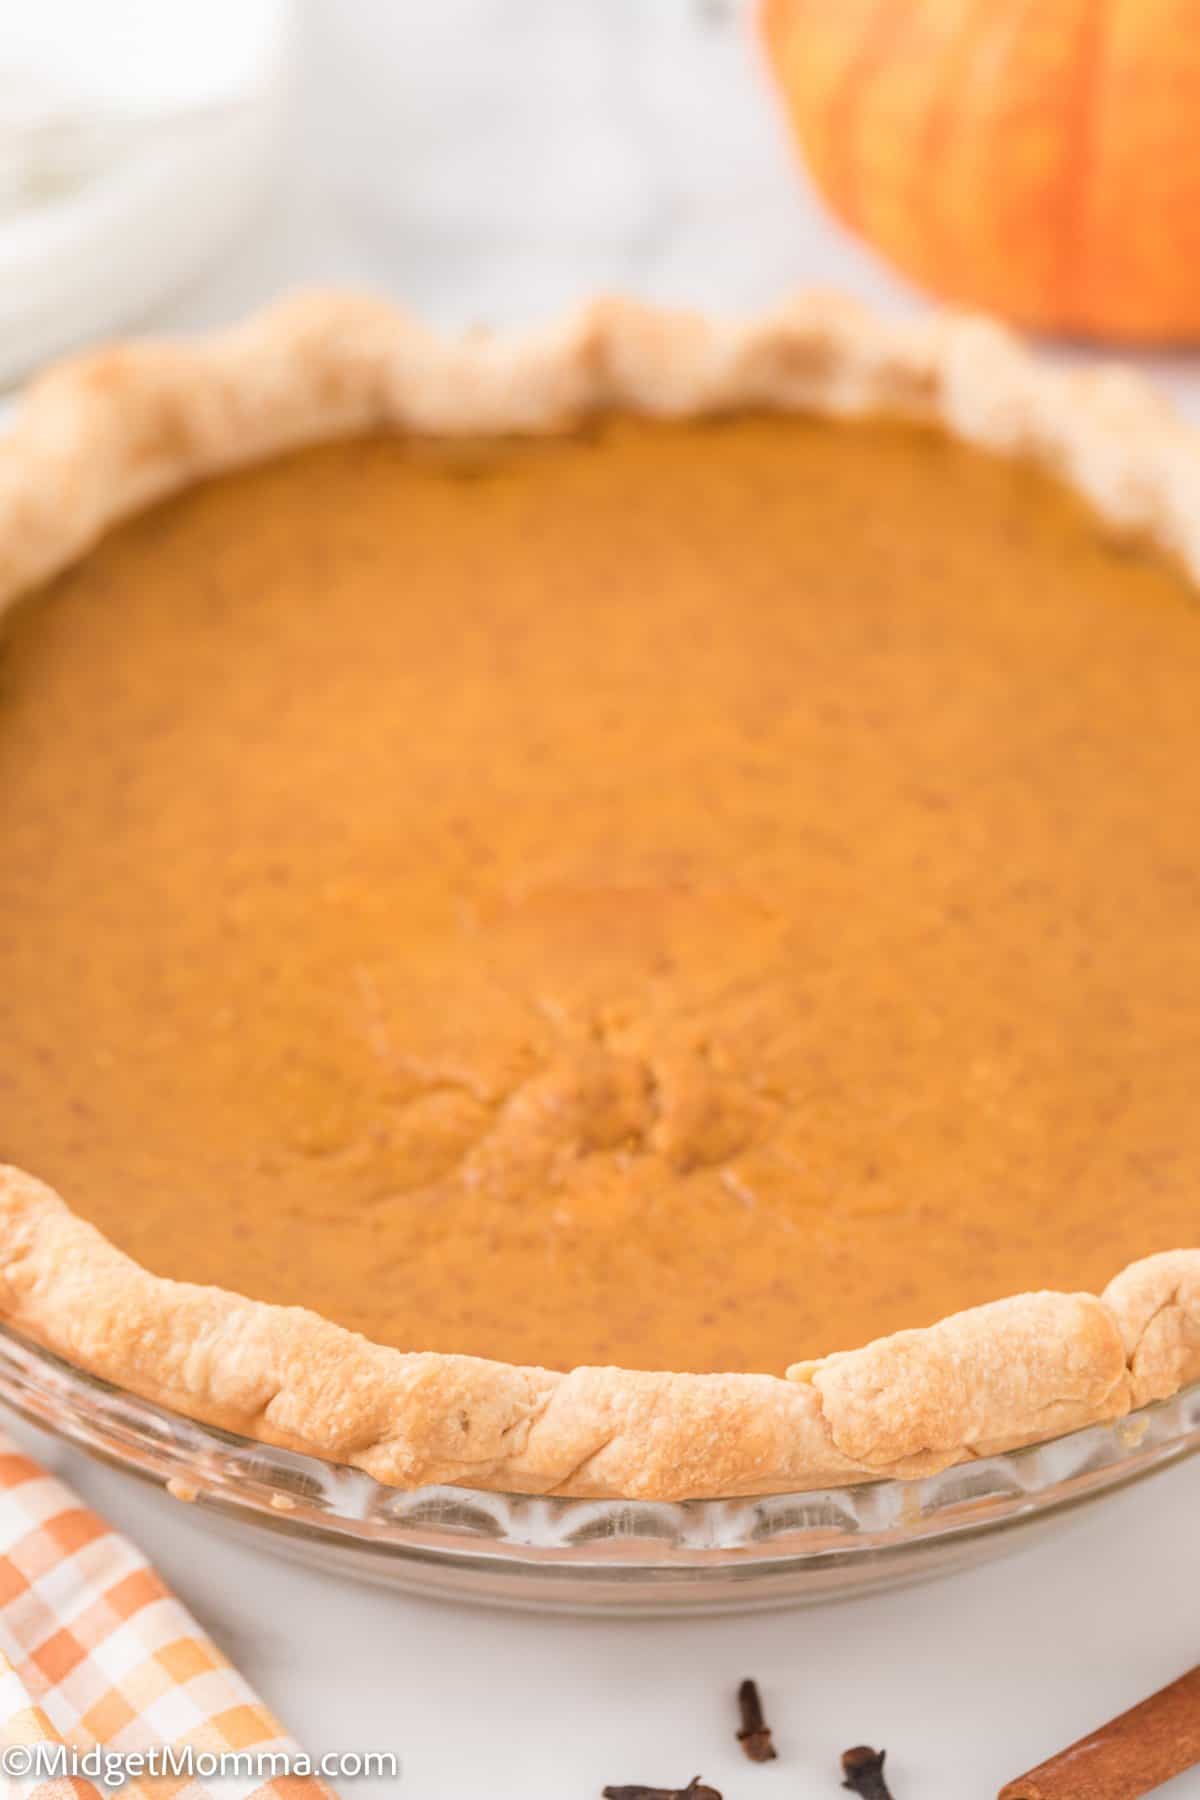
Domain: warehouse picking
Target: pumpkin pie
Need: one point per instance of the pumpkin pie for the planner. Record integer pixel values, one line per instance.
(607, 912)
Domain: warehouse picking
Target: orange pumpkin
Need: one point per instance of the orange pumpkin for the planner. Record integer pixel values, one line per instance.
(1037, 158)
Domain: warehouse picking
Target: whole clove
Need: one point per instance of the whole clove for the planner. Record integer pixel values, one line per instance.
(862, 1771)
(695, 1790)
(755, 1734)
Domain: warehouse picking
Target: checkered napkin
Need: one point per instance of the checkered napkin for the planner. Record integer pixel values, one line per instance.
(95, 1651)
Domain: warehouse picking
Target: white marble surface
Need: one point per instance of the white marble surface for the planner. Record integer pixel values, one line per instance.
(967, 1680)
(496, 159)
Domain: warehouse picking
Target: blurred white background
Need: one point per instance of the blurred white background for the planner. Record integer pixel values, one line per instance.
(482, 160)
(499, 158)
(494, 160)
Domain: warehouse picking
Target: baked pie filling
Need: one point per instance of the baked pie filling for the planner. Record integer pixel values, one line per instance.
(681, 895)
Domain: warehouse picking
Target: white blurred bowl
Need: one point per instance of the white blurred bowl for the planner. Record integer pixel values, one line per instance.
(136, 141)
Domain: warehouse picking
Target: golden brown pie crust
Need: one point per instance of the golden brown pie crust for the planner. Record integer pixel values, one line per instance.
(103, 437)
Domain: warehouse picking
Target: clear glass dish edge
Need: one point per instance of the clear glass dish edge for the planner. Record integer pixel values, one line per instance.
(487, 1546)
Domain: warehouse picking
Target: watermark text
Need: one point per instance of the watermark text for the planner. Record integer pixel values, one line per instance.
(113, 1768)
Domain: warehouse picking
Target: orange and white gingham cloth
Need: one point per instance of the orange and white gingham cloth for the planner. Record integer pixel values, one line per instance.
(95, 1651)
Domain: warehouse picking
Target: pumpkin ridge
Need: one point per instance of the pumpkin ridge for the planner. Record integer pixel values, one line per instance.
(844, 110)
(936, 139)
(1073, 196)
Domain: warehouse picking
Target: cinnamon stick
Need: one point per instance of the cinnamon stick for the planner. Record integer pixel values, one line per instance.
(1127, 1757)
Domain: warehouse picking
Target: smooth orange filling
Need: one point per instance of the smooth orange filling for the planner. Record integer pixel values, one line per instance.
(685, 896)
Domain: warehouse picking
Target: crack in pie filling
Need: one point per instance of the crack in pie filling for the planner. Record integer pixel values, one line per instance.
(575, 863)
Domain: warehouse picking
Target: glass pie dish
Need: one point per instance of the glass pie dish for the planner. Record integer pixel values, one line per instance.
(615, 1556)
